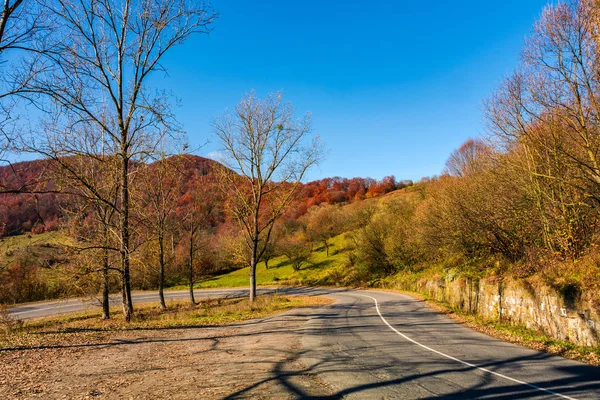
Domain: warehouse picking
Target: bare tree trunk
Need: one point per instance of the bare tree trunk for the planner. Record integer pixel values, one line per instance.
(161, 278)
(125, 261)
(191, 267)
(253, 262)
(105, 291)
(124, 297)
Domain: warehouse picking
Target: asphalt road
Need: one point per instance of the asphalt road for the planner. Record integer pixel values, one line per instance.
(381, 345)
(48, 308)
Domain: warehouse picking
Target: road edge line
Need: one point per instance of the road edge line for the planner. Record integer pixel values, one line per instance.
(461, 361)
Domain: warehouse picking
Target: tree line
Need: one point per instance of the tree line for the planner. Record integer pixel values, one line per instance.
(85, 66)
(523, 199)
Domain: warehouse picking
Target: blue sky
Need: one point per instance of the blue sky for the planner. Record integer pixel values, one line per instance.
(393, 86)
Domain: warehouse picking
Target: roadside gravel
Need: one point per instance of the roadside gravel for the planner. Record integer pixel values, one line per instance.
(255, 359)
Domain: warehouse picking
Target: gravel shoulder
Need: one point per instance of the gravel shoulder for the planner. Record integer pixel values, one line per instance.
(255, 359)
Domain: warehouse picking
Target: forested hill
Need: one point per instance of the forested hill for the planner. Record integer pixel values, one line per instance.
(31, 201)
(20, 209)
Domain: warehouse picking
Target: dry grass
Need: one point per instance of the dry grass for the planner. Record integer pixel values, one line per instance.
(87, 326)
(8, 324)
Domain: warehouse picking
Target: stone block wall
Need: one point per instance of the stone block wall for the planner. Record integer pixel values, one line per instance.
(568, 317)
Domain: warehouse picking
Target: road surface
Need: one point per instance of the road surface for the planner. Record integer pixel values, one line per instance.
(48, 308)
(381, 345)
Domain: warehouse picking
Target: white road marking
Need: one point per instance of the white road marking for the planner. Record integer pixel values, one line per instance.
(461, 361)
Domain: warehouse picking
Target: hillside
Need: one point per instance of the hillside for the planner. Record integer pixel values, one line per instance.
(339, 268)
(30, 200)
(21, 210)
(37, 223)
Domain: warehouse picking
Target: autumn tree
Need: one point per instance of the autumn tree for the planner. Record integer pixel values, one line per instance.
(199, 212)
(324, 223)
(98, 236)
(272, 247)
(96, 79)
(467, 159)
(158, 191)
(267, 153)
(546, 116)
(296, 248)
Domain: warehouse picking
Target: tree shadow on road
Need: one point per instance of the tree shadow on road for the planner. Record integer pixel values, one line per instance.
(380, 372)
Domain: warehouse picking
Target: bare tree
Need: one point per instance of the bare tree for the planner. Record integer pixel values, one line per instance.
(199, 214)
(467, 158)
(96, 79)
(91, 182)
(271, 248)
(266, 151)
(21, 25)
(159, 195)
(192, 224)
(547, 114)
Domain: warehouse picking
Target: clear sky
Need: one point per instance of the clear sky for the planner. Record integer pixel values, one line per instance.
(393, 86)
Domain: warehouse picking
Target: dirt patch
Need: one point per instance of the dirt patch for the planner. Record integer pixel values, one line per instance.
(256, 359)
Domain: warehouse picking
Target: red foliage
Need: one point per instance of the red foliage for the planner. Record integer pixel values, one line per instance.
(25, 212)
(22, 212)
(340, 190)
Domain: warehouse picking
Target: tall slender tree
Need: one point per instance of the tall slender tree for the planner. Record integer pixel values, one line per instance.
(159, 194)
(96, 79)
(21, 26)
(267, 153)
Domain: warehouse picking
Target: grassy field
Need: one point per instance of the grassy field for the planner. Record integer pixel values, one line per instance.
(87, 325)
(16, 242)
(33, 244)
(319, 269)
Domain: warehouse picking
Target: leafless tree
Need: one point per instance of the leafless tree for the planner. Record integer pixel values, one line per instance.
(158, 201)
(90, 179)
(271, 249)
(199, 212)
(468, 158)
(95, 79)
(548, 113)
(21, 26)
(267, 152)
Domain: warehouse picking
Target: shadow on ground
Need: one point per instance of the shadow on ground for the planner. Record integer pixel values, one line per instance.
(350, 340)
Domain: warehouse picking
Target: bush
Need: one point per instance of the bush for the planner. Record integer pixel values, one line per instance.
(297, 249)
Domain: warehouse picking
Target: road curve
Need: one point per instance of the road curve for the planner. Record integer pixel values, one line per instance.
(382, 345)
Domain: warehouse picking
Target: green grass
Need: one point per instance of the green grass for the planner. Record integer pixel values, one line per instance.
(319, 268)
(20, 241)
(42, 243)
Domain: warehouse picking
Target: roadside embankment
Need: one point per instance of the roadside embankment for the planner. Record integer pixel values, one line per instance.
(568, 315)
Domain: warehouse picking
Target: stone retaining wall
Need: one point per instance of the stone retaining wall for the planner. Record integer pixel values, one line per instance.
(569, 316)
